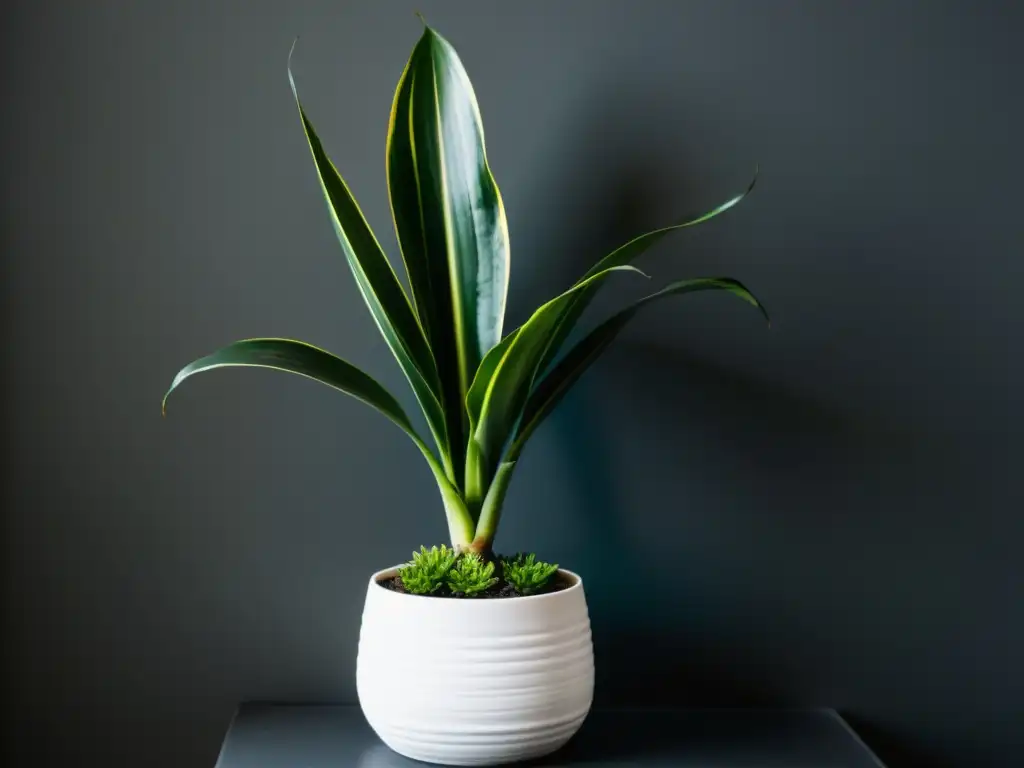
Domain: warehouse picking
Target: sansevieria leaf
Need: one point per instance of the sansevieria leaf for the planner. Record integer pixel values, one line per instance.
(318, 364)
(494, 502)
(510, 384)
(482, 379)
(449, 218)
(625, 254)
(380, 288)
(483, 392)
(550, 390)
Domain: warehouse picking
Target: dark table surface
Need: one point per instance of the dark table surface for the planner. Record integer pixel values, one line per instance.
(308, 736)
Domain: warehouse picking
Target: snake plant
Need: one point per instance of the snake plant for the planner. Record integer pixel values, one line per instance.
(483, 390)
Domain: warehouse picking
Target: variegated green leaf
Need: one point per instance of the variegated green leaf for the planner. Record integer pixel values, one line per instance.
(380, 288)
(550, 390)
(482, 379)
(625, 254)
(510, 385)
(449, 218)
(493, 503)
(314, 363)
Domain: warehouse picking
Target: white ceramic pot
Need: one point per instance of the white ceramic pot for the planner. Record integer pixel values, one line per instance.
(475, 682)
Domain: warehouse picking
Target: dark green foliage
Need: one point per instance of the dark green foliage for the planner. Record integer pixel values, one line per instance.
(428, 570)
(526, 574)
(471, 575)
(483, 390)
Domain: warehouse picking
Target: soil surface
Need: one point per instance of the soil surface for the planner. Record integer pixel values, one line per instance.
(500, 590)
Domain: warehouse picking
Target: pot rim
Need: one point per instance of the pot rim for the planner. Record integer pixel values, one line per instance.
(576, 586)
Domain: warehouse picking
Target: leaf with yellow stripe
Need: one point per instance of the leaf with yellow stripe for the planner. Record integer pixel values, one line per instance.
(449, 219)
(550, 390)
(319, 365)
(625, 254)
(380, 288)
(509, 387)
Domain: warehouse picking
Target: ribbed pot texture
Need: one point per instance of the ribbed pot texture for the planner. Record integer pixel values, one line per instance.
(475, 682)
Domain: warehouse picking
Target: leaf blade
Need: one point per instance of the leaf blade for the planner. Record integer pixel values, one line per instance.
(302, 359)
(449, 217)
(625, 254)
(379, 285)
(306, 360)
(482, 378)
(554, 386)
(509, 386)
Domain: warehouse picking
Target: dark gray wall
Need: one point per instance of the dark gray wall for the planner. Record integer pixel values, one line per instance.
(827, 513)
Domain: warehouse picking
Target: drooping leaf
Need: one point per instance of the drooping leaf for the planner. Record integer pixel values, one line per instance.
(314, 363)
(625, 254)
(380, 288)
(449, 218)
(305, 360)
(550, 390)
(510, 384)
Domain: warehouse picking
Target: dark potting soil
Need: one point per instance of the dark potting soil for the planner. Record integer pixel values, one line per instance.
(500, 590)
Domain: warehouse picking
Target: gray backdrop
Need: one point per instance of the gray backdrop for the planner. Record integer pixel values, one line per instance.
(826, 513)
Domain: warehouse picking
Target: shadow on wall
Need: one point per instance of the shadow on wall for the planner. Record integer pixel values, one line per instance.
(744, 445)
(723, 449)
(604, 191)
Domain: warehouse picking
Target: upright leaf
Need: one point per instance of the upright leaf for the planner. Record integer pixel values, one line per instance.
(549, 392)
(510, 385)
(482, 378)
(380, 288)
(449, 218)
(625, 254)
(493, 503)
(314, 363)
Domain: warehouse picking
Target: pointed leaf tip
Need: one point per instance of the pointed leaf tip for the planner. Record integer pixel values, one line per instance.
(753, 181)
(291, 77)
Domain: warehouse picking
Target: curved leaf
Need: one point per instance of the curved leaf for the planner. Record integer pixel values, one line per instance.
(448, 216)
(560, 379)
(624, 255)
(379, 286)
(510, 385)
(482, 379)
(490, 510)
(314, 363)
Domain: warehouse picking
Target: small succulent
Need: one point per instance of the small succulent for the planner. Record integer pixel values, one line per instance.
(471, 575)
(428, 570)
(526, 574)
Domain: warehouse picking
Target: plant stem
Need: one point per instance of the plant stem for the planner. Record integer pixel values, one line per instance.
(461, 525)
(481, 548)
(476, 486)
(490, 512)
(460, 522)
